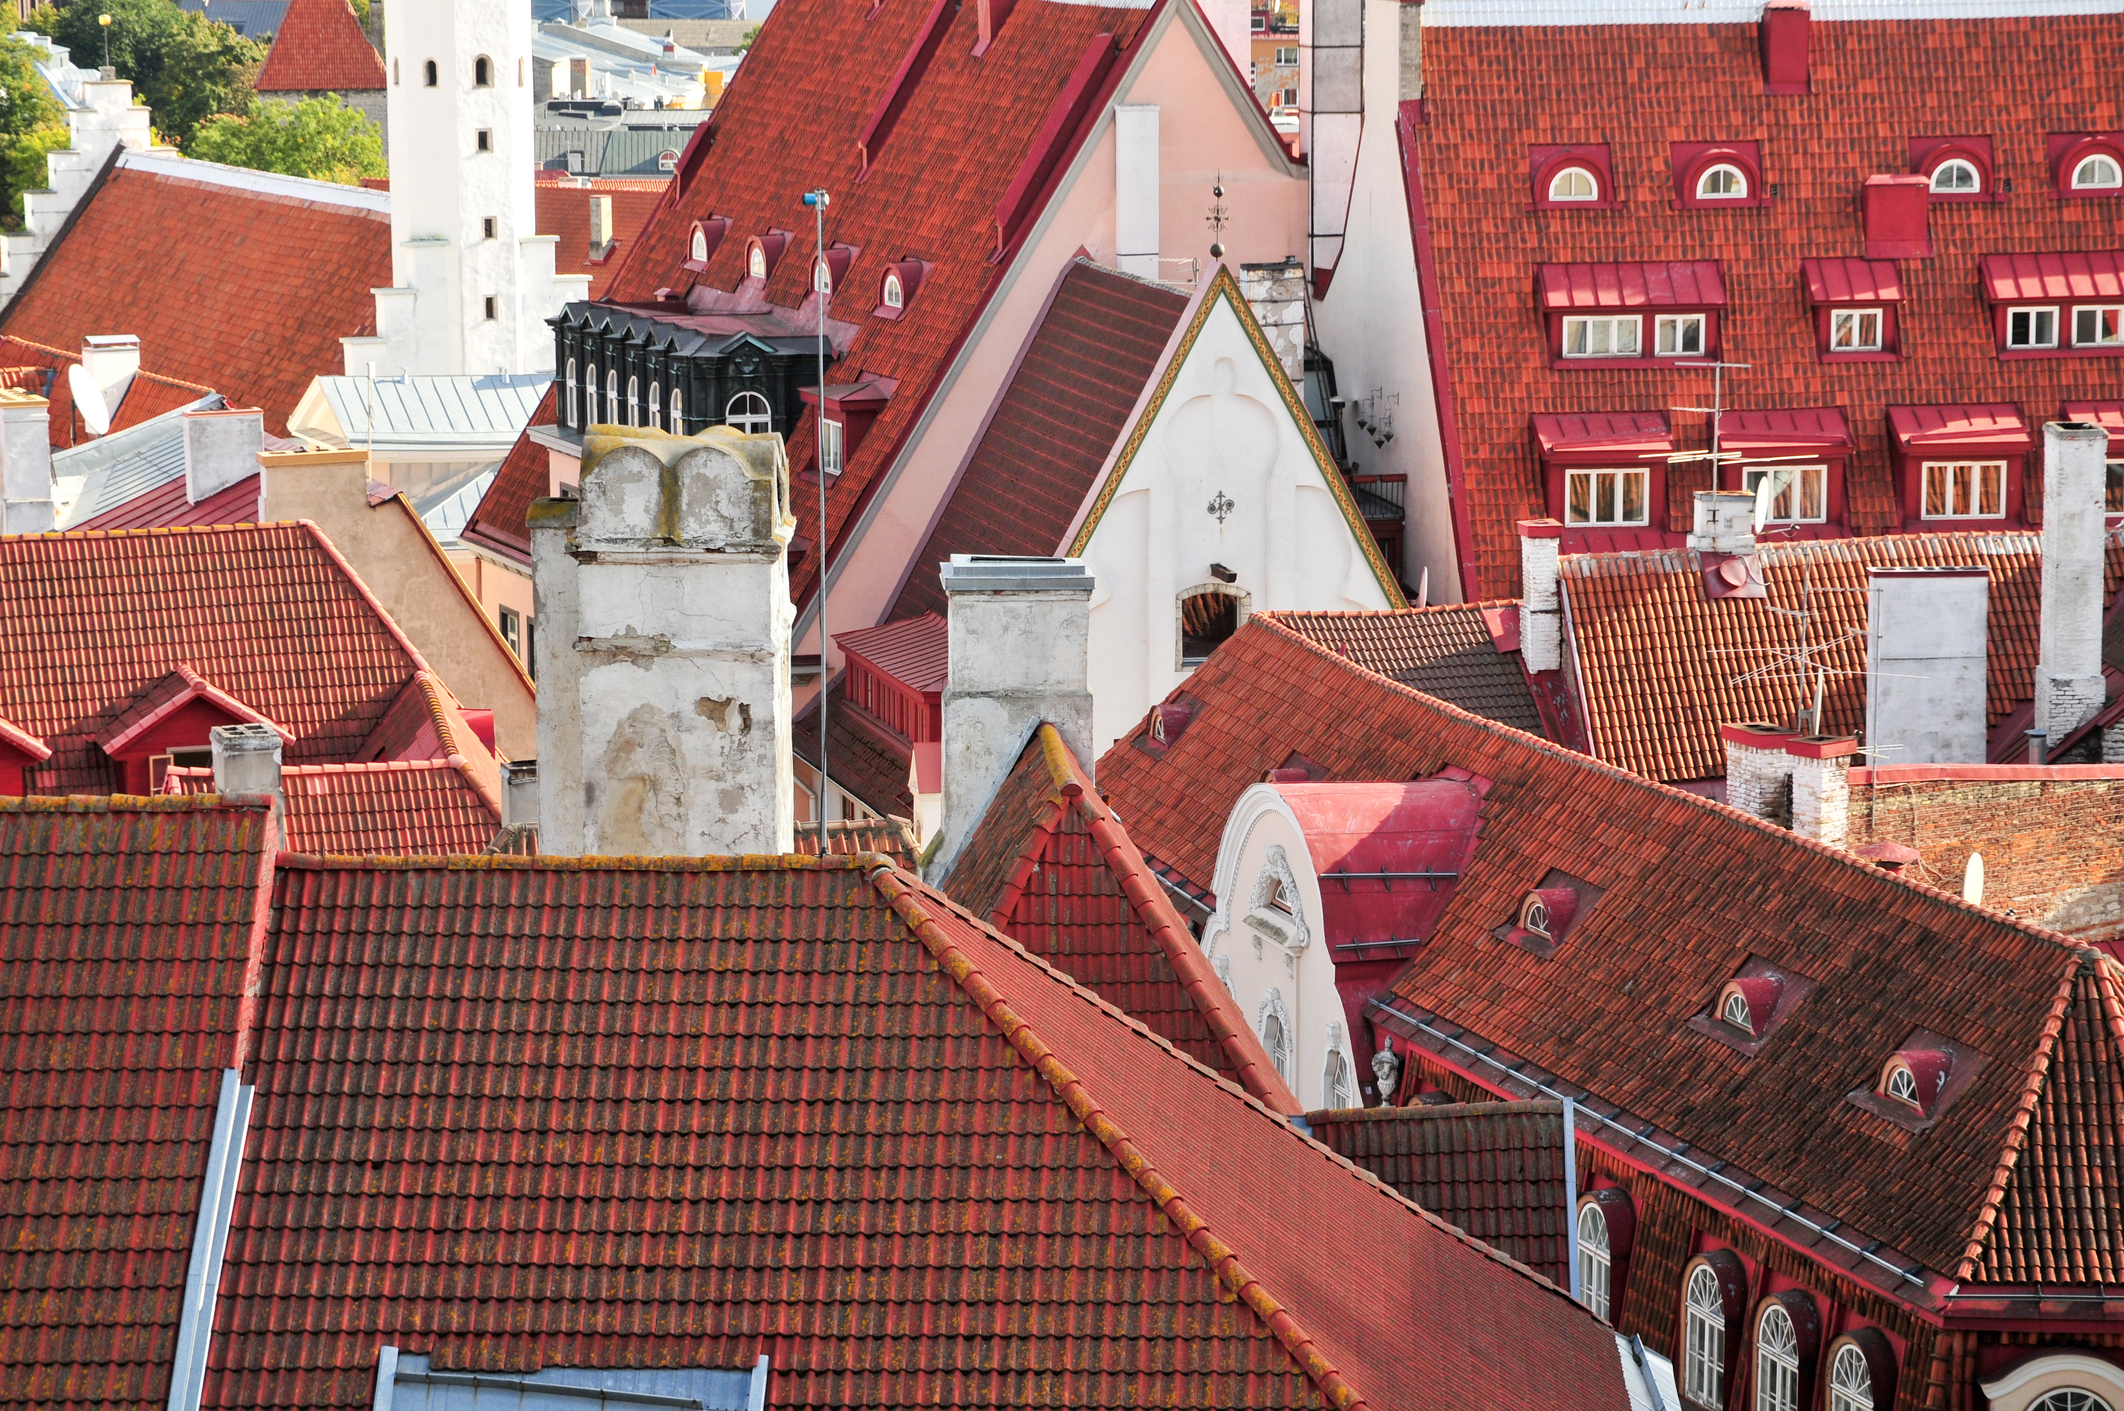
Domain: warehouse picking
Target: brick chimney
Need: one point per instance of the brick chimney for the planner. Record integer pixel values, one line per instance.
(1926, 665)
(220, 448)
(1896, 211)
(1540, 598)
(2068, 684)
(25, 463)
(662, 600)
(247, 761)
(1020, 655)
(1786, 37)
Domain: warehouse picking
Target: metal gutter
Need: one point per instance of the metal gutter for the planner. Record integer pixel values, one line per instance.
(210, 1241)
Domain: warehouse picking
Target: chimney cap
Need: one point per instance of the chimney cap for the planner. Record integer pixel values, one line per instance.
(249, 736)
(110, 341)
(1009, 573)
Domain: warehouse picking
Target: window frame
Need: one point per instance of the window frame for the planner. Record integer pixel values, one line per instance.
(1569, 169)
(1614, 322)
(1857, 313)
(833, 445)
(1679, 321)
(743, 421)
(1953, 160)
(634, 400)
(2008, 313)
(2114, 343)
(482, 72)
(1694, 162)
(574, 396)
(1596, 1258)
(1704, 1337)
(1572, 473)
(2080, 164)
(1829, 482)
(2004, 465)
(1746, 1022)
(1735, 171)
(1782, 1391)
(656, 405)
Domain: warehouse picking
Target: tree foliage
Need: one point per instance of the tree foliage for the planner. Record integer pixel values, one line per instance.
(182, 64)
(31, 124)
(317, 137)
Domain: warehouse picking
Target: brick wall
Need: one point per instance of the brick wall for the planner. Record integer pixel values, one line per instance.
(2053, 847)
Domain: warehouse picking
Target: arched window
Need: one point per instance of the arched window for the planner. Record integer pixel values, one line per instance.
(667, 160)
(656, 406)
(1594, 1256)
(1957, 176)
(1276, 1041)
(756, 261)
(482, 72)
(429, 75)
(634, 401)
(700, 245)
(2070, 1399)
(1704, 1339)
(1337, 1091)
(590, 395)
(574, 405)
(749, 413)
(895, 294)
(1574, 184)
(1850, 1381)
(678, 422)
(2096, 173)
(1722, 182)
(1209, 615)
(612, 401)
(1735, 1011)
(1901, 1086)
(1777, 1362)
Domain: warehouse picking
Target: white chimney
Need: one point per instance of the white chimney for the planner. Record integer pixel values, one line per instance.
(247, 761)
(111, 360)
(1724, 523)
(1758, 771)
(1020, 654)
(1136, 189)
(25, 463)
(519, 793)
(220, 448)
(1926, 665)
(600, 226)
(662, 600)
(1540, 597)
(2068, 684)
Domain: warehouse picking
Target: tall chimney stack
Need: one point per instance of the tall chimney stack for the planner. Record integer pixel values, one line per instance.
(25, 464)
(662, 599)
(2068, 685)
(1020, 654)
(1927, 665)
(1136, 189)
(1540, 598)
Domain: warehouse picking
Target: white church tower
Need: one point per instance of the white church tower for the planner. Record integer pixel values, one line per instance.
(473, 281)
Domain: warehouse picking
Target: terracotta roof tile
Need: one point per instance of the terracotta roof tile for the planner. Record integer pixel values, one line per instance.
(424, 808)
(564, 212)
(1448, 652)
(1489, 91)
(125, 936)
(864, 755)
(320, 48)
(502, 520)
(886, 837)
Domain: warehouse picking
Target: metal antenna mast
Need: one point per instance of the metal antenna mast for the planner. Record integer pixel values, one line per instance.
(818, 201)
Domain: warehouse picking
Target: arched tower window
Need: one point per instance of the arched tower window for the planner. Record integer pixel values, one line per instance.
(656, 407)
(589, 397)
(430, 77)
(574, 407)
(678, 419)
(483, 72)
(634, 401)
(612, 401)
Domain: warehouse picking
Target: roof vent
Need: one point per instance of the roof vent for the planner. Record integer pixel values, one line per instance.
(1889, 857)
(1786, 36)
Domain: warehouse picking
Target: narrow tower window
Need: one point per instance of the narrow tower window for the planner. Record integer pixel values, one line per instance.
(482, 72)
(429, 74)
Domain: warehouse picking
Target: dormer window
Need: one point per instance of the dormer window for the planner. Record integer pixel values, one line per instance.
(703, 240)
(1735, 1011)
(1855, 330)
(1605, 337)
(1678, 336)
(894, 293)
(1606, 312)
(1724, 182)
(898, 286)
(2086, 165)
(2098, 172)
(1748, 1008)
(756, 261)
(1901, 1084)
(1957, 176)
(1534, 915)
(1574, 184)
(1916, 1083)
(1571, 177)
(2098, 325)
(2032, 327)
(1720, 174)
(1546, 913)
(700, 246)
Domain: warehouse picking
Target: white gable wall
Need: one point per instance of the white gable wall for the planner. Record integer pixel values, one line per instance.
(1222, 435)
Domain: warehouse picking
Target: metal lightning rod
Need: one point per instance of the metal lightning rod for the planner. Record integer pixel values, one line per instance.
(818, 201)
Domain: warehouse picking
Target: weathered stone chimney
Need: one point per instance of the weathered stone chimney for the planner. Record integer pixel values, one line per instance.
(1540, 597)
(2068, 685)
(1020, 654)
(1926, 663)
(247, 761)
(519, 793)
(220, 448)
(26, 464)
(1276, 294)
(662, 600)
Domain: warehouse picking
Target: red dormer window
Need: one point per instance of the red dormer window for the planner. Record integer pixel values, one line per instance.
(1802, 451)
(1961, 466)
(1572, 178)
(702, 241)
(1916, 1084)
(1955, 168)
(2052, 306)
(1643, 313)
(1603, 470)
(2087, 165)
(764, 252)
(1715, 175)
(1857, 309)
(896, 675)
(1749, 1007)
(1547, 914)
(830, 268)
(897, 287)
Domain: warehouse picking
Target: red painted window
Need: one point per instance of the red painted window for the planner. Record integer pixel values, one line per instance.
(1645, 313)
(2086, 165)
(1718, 175)
(1857, 309)
(2066, 305)
(1961, 467)
(1572, 178)
(1802, 451)
(1955, 168)
(1605, 470)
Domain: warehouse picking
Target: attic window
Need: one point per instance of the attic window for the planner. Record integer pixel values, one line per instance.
(700, 245)
(1750, 1005)
(1534, 915)
(1547, 914)
(1957, 176)
(897, 287)
(1574, 184)
(1717, 174)
(1574, 177)
(2099, 172)
(1735, 1011)
(1209, 614)
(1900, 1083)
(667, 160)
(1279, 897)
(756, 261)
(894, 294)
(1723, 182)
(1916, 1084)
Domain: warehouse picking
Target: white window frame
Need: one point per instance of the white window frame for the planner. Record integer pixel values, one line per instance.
(2035, 313)
(612, 398)
(656, 407)
(1777, 1368)
(1925, 470)
(2079, 170)
(894, 293)
(590, 394)
(678, 423)
(1596, 1258)
(2069, 1399)
(1976, 177)
(1679, 324)
(1704, 1338)
(756, 261)
(1286, 56)
(1744, 1020)
(1591, 193)
(1586, 326)
(1618, 498)
(1900, 1085)
(833, 440)
(1703, 179)
(1850, 1380)
(747, 420)
(2116, 325)
(700, 246)
(1338, 1074)
(1790, 485)
(574, 396)
(634, 400)
(1855, 321)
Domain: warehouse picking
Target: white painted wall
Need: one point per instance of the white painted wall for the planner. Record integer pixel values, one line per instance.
(106, 119)
(1371, 320)
(1291, 975)
(1223, 430)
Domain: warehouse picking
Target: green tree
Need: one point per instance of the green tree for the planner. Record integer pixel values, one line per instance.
(317, 137)
(31, 124)
(183, 65)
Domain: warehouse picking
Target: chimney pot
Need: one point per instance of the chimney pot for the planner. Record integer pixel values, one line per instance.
(1724, 522)
(2038, 746)
(247, 761)
(2069, 686)
(26, 464)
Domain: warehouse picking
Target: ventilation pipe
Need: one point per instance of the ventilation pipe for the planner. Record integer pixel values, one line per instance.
(1136, 189)
(2069, 688)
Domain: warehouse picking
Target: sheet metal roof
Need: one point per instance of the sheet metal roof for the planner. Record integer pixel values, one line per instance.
(117, 468)
(484, 414)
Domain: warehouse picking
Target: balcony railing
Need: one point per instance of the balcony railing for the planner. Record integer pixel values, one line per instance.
(1381, 496)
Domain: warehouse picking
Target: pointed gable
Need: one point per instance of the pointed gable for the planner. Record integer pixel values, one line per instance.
(321, 48)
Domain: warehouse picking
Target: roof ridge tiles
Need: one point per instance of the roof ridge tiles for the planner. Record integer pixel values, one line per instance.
(133, 803)
(739, 862)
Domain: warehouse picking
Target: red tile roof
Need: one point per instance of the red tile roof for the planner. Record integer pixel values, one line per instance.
(1493, 1169)
(564, 212)
(1489, 91)
(1690, 891)
(1449, 652)
(1684, 283)
(14, 737)
(886, 837)
(1050, 865)
(1852, 281)
(165, 507)
(501, 522)
(1077, 380)
(424, 807)
(271, 614)
(150, 394)
(255, 321)
(320, 49)
(1663, 666)
(41, 370)
(929, 192)
(162, 699)
(864, 755)
(125, 941)
(916, 651)
(870, 1046)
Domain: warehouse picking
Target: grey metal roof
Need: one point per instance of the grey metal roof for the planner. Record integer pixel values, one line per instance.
(447, 517)
(419, 412)
(125, 464)
(637, 151)
(250, 18)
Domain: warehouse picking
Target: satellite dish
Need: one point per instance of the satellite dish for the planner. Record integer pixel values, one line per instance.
(1763, 489)
(1973, 879)
(88, 400)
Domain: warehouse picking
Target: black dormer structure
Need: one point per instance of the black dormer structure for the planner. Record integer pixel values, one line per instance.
(682, 371)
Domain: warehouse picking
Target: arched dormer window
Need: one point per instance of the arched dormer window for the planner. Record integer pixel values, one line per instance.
(1957, 176)
(2098, 171)
(678, 419)
(1595, 1262)
(1863, 1372)
(700, 245)
(656, 407)
(1850, 1381)
(898, 287)
(1722, 181)
(894, 294)
(430, 76)
(1777, 1361)
(1714, 1296)
(756, 261)
(634, 401)
(1735, 1011)
(703, 241)
(749, 413)
(667, 160)
(1574, 183)
(1915, 1078)
(483, 72)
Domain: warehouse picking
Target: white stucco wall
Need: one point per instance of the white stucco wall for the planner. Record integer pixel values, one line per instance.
(1295, 977)
(1371, 321)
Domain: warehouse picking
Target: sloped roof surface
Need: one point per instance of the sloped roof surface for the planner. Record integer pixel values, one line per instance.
(255, 320)
(915, 651)
(320, 48)
(1492, 86)
(407, 808)
(888, 837)
(862, 755)
(1493, 1169)
(1058, 421)
(1664, 666)
(797, 1061)
(269, 613)
(1447, 652)
(564, 212)
(1609, 1012)
(165, 507)
(125, 933)
(930, 191)
(502, 521)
